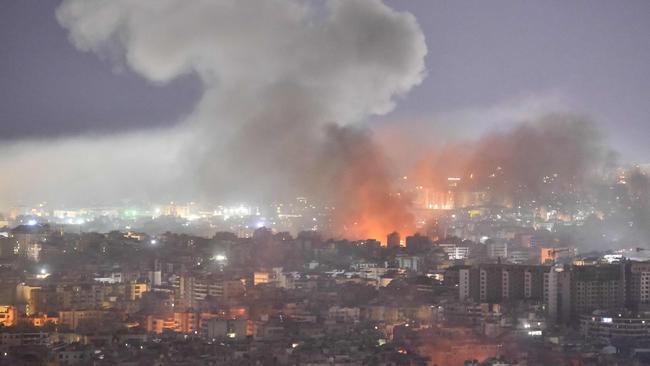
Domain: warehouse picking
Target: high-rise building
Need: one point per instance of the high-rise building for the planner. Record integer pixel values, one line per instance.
(418, 242)
(195, 288)
(393, 240)
(558, 292)
(577, 290)
(495, 283)
(637, 275)
(598, 287)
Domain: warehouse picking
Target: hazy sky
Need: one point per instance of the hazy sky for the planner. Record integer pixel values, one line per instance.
(592, 57)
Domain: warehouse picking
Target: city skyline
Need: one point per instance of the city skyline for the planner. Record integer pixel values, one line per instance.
(152, 134)
(324, 182)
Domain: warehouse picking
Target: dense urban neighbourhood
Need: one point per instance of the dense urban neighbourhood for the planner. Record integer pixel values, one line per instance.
(517, 289)
(324, 183)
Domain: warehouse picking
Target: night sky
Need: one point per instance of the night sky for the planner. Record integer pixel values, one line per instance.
(591, 57)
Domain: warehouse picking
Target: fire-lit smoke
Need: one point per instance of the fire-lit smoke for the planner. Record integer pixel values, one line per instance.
(549, 160)
(366, 204)
(633, 199)
(276, 75)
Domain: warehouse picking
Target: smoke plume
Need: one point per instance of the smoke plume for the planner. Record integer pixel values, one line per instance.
(364, 198)
(284, 83)
(553, 159)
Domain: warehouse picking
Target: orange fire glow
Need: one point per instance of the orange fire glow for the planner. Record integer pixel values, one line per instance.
(367, 205)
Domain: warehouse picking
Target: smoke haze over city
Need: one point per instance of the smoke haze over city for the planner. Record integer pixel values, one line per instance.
(281, 115)
(324, 182)
(279, 108)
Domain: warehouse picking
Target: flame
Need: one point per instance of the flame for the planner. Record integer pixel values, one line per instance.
(368, 205)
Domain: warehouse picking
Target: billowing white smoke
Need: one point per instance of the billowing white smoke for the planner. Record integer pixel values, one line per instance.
(356, 58)
(274, 72)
